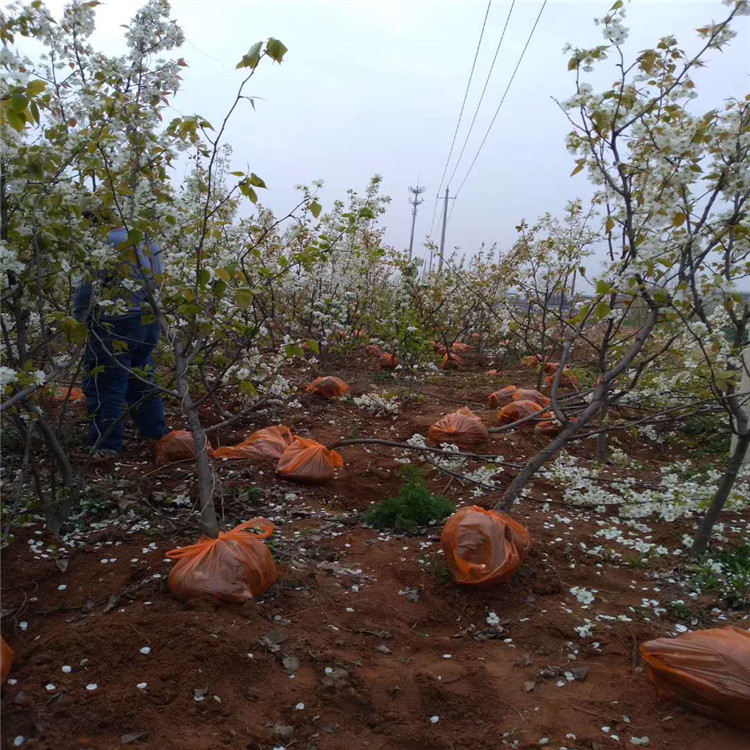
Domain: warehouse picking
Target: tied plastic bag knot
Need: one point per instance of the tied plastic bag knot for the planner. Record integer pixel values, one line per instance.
(550, 427)
(374, 351)
(531, 361)
(707, 671)
(308, 461)
(69, 394)
(452, 361)
(484, 547)
(270, 442)
(233, 568)
(388, 362)
(462, 427)
(7, 656)
(516, 410)
(502, 397)
(567, 379)
(178, 445)
(528, 394)
(327, 387)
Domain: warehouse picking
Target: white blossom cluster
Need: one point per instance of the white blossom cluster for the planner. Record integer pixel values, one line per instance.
(377, 404)
(682, 491)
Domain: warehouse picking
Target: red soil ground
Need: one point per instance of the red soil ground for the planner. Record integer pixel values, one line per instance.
(360, 643)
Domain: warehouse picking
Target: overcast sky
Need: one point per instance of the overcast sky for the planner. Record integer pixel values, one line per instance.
(376, 87)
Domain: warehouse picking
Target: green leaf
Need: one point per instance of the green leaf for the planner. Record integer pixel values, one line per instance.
(617, 5)
(18, 102)
(256, 181)
(601, 311)
(678, 219)
(224, 274)
(247, 191)
(609, 225)
(573, 63)
(75, 331)
(243, 298)
(16, 120)
(135, 236)
(34, 88)
(276, 50)
(580, 163)
(313, 346)
(252, 58)
(581, 315)
(204, 276)
(294, 350)
(248, 388)
(603, 287)
(315, 208)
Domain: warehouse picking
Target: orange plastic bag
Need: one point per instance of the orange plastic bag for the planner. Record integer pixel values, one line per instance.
(551, 427)
(177, 445)
(308, 461)
(484, 547)
(7, 655)
(233, 568)
(516, 410)
(373, 350)
(502, 397)
(328, 387)
(460, 348)
(707, 671)
(388, 362)
(530, 361)
(462, 427)
(528, 394)
(269, 442)
(552, 367)
(567, 379)
(73, 394)
(452, 362)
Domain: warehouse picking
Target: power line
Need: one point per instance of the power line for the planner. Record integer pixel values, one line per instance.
(484, 91)
(505, 93)
(461, 112)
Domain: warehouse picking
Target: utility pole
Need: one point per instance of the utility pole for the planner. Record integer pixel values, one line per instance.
(442, 237)
(417, 191)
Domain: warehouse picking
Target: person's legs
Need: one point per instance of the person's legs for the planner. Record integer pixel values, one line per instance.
(106, 381)
(148, 413)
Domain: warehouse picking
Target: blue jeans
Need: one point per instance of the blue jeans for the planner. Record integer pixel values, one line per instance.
(109, 387)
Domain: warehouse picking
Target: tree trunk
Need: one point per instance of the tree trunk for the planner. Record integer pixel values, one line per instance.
(705, 527)
(601, 439)
(541, 458)
(58, 513)
(744, 406)
(210, 526)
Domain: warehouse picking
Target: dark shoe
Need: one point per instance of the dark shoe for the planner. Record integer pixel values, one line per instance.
(106, 452)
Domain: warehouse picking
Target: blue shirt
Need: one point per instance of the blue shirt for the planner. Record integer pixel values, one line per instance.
(149, 263)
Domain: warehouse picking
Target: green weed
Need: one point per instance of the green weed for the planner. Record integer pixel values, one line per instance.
(414, 506)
